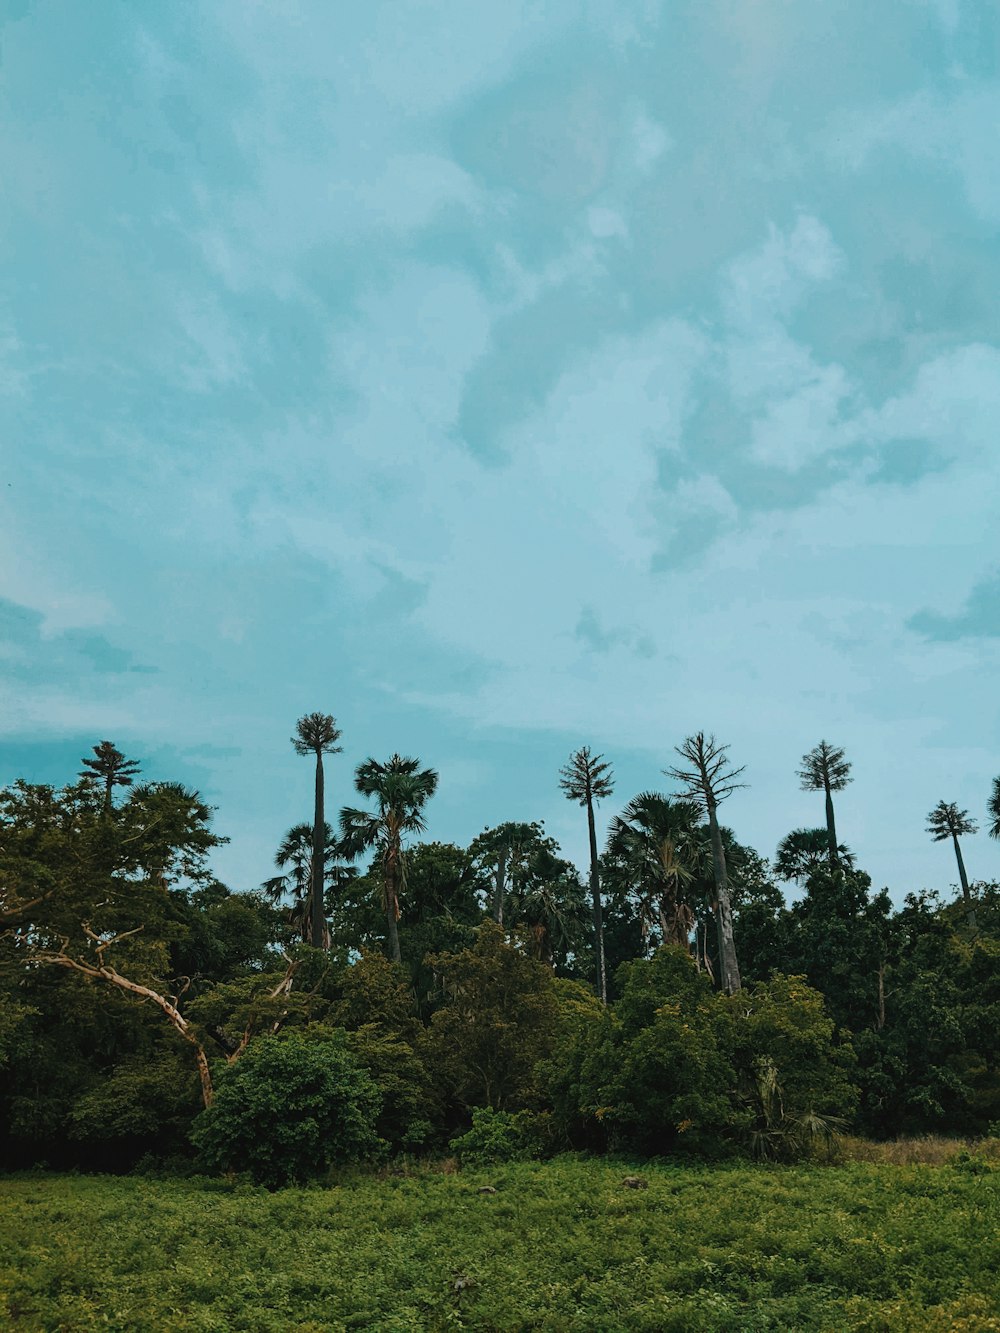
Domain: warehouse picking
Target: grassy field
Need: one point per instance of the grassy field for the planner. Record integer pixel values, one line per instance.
(561, 1245)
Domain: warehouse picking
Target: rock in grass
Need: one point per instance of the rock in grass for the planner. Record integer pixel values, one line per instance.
(487, 1189)
(635, 1183)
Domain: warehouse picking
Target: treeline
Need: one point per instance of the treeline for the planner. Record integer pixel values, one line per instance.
(485, 1000)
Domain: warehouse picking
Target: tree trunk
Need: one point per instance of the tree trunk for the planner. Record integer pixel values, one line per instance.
(498, 891)
(317, 916)
(724, 912)
(881, 995)
(831, 829)
(970, 911)
(392, 910)
(595, 893)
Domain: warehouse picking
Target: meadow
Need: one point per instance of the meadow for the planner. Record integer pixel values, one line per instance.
(559, 1245)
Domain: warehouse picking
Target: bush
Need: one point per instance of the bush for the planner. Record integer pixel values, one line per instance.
(503, 1136)
(289, 1109)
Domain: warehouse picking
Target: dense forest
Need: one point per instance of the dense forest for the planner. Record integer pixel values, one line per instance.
(386, 994)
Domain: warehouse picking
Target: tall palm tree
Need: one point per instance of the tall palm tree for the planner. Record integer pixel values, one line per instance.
(401, 789)
(825, 769)
(587, 778)
(707, 780)
(947, 821)
(110, 768)
(317, 734)
(804, 850)
(994, 809)
(656, 846)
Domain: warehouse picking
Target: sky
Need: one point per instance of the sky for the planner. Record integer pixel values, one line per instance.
(503, 378)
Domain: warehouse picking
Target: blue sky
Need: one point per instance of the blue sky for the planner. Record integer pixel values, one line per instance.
(503, 378)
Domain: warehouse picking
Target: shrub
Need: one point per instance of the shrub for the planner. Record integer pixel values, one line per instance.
(289, 1109)
(504, 1136)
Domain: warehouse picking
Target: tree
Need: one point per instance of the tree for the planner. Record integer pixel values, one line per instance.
(295, 857)
(803, 850)
(317, 734)
(947, 821)
(994, 809)
(497, 1021)
(502, 852)
(109, 768)
(402, 789)
(825, 769)
(289, 1110)
(708, 780)
(656, 846)
(587, 778)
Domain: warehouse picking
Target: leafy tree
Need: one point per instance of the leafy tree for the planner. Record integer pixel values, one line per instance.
(503, 852)
(994, 809)
(293, 1107)
(804, 850)
(947, 821)
(587, 778)
(825, 769)
(709, 779)
(659, 1078)
(793, 1074)
(401, 789)
(497, 1020)
(534, 887)
(317, 734)
(656, 846)
(109, 769)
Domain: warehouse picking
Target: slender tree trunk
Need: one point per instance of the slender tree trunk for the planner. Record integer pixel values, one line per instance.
(317, 916)
(831, 829)
(970, 911)
(595, 893)
(724, 912)
(881, 995)
(498, 890)
(392, 910)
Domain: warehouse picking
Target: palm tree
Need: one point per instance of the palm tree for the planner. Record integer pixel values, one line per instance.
(587, 778)
(804, 850)
(317, 734)
(401, 788)
(825, 769)
(707, 780)
(657, 846)
(994, 809)
(110, 768)
(947, 821)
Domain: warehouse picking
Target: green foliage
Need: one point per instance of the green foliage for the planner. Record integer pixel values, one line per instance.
(288, 1110)
(659, 1080)
(560, 1245)
(504, 1136)
(497, 1021)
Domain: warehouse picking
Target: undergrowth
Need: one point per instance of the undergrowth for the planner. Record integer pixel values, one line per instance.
(562, 1245)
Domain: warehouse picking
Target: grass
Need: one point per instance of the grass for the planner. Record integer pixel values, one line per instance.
(560, 1245)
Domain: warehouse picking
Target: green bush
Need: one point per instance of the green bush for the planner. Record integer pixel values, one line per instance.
(289, 1109)
(503, 1136)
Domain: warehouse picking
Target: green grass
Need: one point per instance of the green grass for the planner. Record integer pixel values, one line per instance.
(561, 1245)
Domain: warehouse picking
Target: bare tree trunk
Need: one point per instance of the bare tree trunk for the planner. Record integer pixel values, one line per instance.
(595, 893)
(499, 884)
(724, 912)
(970, 911)
(317, 915)
(831, 829)
(104, 972)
